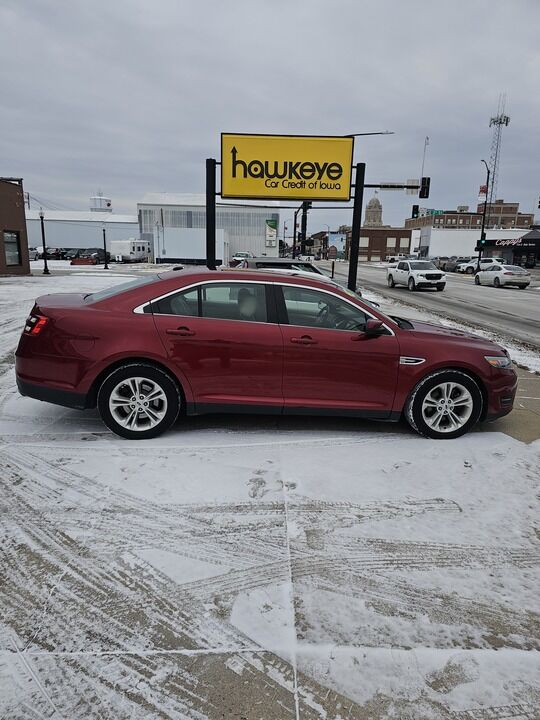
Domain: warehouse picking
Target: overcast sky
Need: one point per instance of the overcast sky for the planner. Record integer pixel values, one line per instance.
(130, 96)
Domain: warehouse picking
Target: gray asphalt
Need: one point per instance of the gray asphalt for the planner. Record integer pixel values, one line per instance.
(507, 311)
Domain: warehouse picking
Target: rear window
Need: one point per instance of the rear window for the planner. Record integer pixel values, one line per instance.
(514, 268)
(120, 288)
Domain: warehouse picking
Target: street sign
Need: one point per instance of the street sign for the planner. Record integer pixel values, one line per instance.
(286, 167)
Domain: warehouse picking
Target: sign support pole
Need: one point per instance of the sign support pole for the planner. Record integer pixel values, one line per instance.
(304, 225)
(211, 213)
(356, 224)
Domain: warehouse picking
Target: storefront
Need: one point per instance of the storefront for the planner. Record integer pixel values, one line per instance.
(523, 251)
(13, 240)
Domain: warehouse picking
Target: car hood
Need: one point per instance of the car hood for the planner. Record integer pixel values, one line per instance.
(431, 329)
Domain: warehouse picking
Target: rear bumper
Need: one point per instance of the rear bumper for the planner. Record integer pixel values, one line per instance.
(52, 395)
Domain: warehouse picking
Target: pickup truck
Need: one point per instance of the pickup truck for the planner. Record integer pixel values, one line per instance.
(416, 274)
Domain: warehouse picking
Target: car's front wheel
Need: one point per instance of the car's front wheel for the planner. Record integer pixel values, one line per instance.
(476, 280)
(469, 270)
(138, 401)
(411, 284)
(444, 405)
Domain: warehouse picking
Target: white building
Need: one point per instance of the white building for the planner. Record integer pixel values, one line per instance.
(70, 229)
(248, 227)
(435, 242)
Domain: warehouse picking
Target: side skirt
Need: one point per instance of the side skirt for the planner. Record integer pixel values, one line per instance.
(219, 408)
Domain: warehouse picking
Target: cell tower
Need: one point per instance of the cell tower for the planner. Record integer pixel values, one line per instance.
(497, 123)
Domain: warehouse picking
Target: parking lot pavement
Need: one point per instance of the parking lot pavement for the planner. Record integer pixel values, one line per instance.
(265, 568)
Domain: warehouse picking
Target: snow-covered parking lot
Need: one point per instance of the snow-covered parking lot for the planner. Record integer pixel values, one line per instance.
(260, 568)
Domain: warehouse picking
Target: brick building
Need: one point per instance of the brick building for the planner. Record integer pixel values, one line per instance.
(13, 238)
(499, 214)
(376, 243)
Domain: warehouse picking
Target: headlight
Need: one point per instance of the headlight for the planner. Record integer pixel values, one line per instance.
(421, 275)
(499, 361)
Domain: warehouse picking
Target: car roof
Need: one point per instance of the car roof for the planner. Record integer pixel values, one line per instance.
(202, 274)
(278, 261)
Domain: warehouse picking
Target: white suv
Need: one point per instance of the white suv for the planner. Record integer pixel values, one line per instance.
(416, 274)
(470, 267)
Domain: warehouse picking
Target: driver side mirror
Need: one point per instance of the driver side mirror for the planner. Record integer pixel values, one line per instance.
(374, 328)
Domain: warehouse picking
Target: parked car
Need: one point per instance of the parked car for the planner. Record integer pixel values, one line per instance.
(33, 253)
(440, 261)
(74, 253)
(196, 341)
(238, 257)
(452, 264)
(259, 263)
(473, 265)
(395, 258)
(416, 274)
(502, 275)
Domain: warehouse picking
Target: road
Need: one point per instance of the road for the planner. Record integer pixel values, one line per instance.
(508, 311)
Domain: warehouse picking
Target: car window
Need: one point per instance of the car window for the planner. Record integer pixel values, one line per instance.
(402, 266)
(311, 308)
(122, 287)
(234, 301)
(185, 303)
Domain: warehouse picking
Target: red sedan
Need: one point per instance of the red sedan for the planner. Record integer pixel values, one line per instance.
(196, 341)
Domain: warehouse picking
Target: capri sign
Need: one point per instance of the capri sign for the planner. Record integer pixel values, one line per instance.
(286, 167)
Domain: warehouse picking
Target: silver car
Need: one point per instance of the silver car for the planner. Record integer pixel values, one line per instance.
(501, 275)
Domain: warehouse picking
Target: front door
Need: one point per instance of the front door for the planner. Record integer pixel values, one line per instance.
(221, 338)
(328, 362)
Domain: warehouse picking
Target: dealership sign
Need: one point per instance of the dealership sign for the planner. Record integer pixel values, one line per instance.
(286, 167)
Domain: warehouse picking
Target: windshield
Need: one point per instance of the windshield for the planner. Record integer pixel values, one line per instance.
(423, 265)
(122, 287)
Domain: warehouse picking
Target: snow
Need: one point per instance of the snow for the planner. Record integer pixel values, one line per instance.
(258, 566)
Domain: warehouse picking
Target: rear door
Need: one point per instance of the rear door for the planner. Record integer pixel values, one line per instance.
(223, 337)
(328, 362)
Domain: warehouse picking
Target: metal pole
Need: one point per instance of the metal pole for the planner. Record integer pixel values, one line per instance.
(356, 224)
(295, 233)
(304, 224)
(46, 270)
(483, 231)
(106, 266)
(211, 213)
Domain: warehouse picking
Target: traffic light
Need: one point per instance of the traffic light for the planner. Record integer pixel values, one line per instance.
(415, 211)
(483, 241)
(539, 203)
(424, 187)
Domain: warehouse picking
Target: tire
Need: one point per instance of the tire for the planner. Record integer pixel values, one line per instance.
(411, 285)
(469, 271)
(138, 421)
(476, 280)
(523, 287)
(390, 282)
(440, 287)
(497, 282)
(422, 409)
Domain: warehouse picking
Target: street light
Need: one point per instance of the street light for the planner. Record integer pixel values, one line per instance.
(483, 231)
(106, 266)
(46, 270)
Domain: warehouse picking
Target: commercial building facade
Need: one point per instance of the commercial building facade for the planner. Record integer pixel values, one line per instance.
(499, 215)
(13, 238)
(443, 242)
(247, 227)
(377, 243)
(70, 229)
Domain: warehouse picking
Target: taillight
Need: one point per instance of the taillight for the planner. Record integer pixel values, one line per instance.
(35, 324)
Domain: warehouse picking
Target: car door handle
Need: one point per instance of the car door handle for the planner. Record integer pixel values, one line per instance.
(304, 340)
(182, 330)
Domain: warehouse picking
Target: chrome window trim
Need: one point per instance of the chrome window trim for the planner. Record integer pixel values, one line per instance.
(139, 310)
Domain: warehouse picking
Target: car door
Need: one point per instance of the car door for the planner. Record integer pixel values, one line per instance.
(489, 274)
(328, 362)
(402, 273)
(223, 337)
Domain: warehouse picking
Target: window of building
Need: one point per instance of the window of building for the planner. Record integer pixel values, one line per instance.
(364, 241)
(403, 243)
(390, 242)
(12, 248)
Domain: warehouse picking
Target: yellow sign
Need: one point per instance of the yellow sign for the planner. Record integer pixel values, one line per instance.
(286, 167)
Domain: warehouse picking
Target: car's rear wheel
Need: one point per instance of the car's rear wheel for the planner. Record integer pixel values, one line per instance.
(138, 401)
(390, 282)
(497, 282)
(444, 405)
(476, 280)
(411, 284)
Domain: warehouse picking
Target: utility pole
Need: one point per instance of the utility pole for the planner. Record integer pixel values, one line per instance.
(483, 231)
(356, 224)
(46, 270)
(106, 266)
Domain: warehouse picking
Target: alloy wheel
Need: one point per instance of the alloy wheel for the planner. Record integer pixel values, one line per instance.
(447, 407)
(138, 403)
